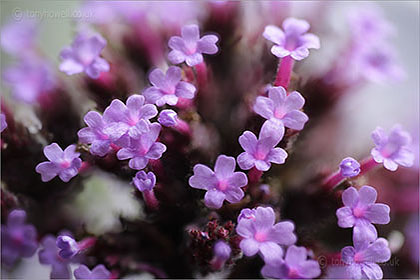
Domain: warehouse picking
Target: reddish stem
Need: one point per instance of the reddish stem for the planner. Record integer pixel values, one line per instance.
(87, 243)
(254, 175)
(367, 164)
(183, 127)
(150, 199)
(201, 70)
(284, 72)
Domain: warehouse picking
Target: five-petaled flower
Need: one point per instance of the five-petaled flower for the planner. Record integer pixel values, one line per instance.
(83, 56)
(392, 149)
(295, 266)
(282, 108)
(65, 163)
(360, 211)
(293, 41)
(223, 183)
(190, 46)
(98, 272)
(262, 235)
(144, 181)
(167, 88)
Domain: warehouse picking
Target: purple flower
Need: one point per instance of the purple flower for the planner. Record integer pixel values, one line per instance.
(144, 148)
(3, 123)
(293, 41)
(144, 181)
(83, 56)
(99, 272)
(223, 183)
(49, 255)
(362, 259)
(222, 250)
(17, 238)
(392, 149)
(168, 118)
(65, 163)
(282, 108)
(349, 167)
(295, 266)
(167, 88)
(18, 37)
(262, 235)
(95, 134)
(132, 118)
(190, 46)
(360, 211)
(30, 78)
(68, 247)
(261, 152)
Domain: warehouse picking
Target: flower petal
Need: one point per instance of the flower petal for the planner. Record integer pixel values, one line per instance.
(271, 252)
(350, 197)
(203, 178)
(53, 152)
(378, 213)
(245, 161)
(224, 167)
(345, 217)
(214, 199)
(274, 34)
(367, 195)
(249, 247)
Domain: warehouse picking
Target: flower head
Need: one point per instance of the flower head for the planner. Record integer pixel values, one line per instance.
(49, 255)
(349, 167)
(360, 211)
(262, 235)
(99, 272)
(222, 184)
(65, 163)
(68, 247)
(143, 148)
(222, 250)
(3, 123)
(190, 47)
(167, 88)
(83, 56)
(295, 265)
(261, 152)
(362, 259)
(282, 108)
(293, 41)
(144, 181)
(392, 149)
(17, 238)
(18, 37)
(168, 118)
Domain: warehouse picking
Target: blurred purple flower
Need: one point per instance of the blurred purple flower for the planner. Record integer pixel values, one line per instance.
(65, 163)
(362, 259)
(261, 152)
(293, 41)
(49, 255)
(132, 118)
(190, 46)
(144, 181)
(167, 88)
(17, 238)
(30, 78)
(221, 252)
(349, 167)
(222, 184)
(144, 148)
(282, 108)
(360, 211)
(392, 149)
(99, 272)
(262, 235)
(168, 118)
(3, 123)
(68, 247)
(83, 56)
(18, 37)
(295, 266)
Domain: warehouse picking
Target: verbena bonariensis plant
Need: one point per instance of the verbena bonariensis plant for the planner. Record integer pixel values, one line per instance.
(198, 156)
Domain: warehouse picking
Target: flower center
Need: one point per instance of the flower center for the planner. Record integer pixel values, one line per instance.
(133, 121)
(65, 164)
(279, 113)
(358, 257)
(358, 212)
(293, 273)
(260, 236)
(223, 185)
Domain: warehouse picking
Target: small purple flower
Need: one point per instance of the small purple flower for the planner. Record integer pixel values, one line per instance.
(262, 235)
(221, 251)
(95, 134)
(223, 183)
(190, 46)
(293, 41)
(282, 108)
(362, 259)
(360, 211)
(349, 167)
(168, 118)
(99, 272)
(49, 255)
(68, 247)
(30, 78)
(144, 148)
(261, 152)
(295, 266)
(83, 56)
(132, 118)
(167, 88)
(18, 37)
(3, 123)
(65, 163)
(144, 181)
(17, 238)
(392, 149)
